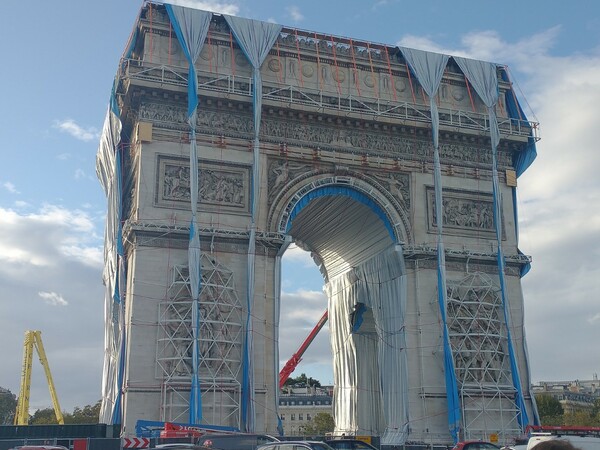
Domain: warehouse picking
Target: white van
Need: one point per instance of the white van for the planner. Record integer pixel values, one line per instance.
(580, 442)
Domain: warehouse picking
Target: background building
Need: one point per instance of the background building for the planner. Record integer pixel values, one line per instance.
(574, 396)
(299, 405)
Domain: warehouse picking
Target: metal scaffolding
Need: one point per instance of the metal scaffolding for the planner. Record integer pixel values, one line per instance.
(479, 342)
(219, 342)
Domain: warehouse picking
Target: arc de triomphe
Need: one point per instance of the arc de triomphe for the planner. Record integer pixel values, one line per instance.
(228, 138)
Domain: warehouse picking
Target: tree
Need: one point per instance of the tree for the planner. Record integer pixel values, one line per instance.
(580, 419)
(596, 409)
(302, 379)
(89, 414)
(8, 406)
(45, 416)
(550, 410)
(320, 425)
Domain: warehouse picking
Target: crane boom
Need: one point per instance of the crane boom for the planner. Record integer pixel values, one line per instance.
(33, 339)
(293, 362)
(22, 413)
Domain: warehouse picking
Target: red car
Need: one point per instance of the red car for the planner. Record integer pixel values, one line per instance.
(475, 445)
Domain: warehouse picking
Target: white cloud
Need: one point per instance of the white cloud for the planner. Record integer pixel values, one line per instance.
(296, 255)
(379, 3)
(214, 6)
(489, 46)
(10, 187)
(294, 13)
(91, 256)
(594, 319)
(79, 174)
(42, 238)
(69, 126)
(303, 305)
(53, 299)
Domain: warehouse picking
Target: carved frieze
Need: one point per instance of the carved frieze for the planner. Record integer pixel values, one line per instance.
(340, 137)
(333, 136)
(219, 186)
(464, 213)
(162, 112)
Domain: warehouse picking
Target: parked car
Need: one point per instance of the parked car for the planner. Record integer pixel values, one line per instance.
(349, 444)
(515, 447)
(579, 442)
(295, 445)
(179, 446)
(475, 445)
(235, 441)
(40, 447)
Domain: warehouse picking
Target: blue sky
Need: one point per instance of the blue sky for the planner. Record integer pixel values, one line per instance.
(59, 59)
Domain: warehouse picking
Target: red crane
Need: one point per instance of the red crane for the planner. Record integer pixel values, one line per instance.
(290, 366)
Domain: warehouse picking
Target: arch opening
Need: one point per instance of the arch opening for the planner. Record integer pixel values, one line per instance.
(355, 247)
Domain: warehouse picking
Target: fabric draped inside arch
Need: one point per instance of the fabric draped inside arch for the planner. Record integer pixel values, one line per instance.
(370, 370)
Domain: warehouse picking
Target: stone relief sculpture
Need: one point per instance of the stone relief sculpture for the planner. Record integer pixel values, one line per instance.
(216, 186)
(466, 213)
(282, 171)
(397, 186)
(463, 212)
(220, 187)
(176, 182)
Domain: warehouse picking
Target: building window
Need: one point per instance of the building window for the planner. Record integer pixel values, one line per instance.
(301, 402)
(308, 417)
(293, 417)
(300, 416)
(292, 403)
(283, 417)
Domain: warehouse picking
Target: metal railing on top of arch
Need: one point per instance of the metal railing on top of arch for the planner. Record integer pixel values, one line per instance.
(324, 101)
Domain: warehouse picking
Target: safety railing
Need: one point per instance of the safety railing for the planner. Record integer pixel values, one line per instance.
(324, 101)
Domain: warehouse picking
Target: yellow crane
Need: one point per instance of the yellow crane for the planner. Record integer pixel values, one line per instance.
(33, 339)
